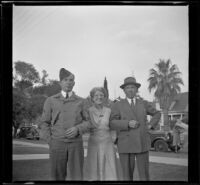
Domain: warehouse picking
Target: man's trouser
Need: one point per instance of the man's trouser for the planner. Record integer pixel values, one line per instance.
(128, 165)
(66, 160)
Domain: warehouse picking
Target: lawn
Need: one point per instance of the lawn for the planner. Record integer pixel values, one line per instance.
(20, 149)
(39, 170)
(31, 170)
(17, 150)
(31, 141)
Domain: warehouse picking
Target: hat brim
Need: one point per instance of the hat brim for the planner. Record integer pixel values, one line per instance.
(131, 83)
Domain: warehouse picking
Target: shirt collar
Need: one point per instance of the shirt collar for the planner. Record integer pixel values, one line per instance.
(129, 100)
(64, 93)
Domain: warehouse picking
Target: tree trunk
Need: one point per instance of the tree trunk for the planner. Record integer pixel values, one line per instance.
(166, 120)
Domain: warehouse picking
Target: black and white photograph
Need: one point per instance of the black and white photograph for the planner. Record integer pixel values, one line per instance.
(100, 93)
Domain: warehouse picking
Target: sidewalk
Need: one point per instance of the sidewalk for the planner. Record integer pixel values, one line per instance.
(154, 159)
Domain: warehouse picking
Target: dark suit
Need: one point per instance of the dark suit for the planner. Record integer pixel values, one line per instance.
(133, 142)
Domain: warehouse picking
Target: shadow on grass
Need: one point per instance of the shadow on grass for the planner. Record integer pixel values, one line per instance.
(163, 172)
(39, 170)
(31, 170)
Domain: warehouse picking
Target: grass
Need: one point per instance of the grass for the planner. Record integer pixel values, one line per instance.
(31, 170)
(162, 172)
(31, 141)
(180, 154)
(18, 149)
(39, 170)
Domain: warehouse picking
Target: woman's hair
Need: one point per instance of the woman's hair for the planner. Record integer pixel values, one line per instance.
(95, 89)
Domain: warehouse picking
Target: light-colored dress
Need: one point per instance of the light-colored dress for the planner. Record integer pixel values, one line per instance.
(101, 156)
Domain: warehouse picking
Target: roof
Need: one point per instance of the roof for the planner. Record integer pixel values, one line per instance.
(180, 103)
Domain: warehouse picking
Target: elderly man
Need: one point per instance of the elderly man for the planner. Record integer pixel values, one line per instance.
(63, 120)
(129, 118)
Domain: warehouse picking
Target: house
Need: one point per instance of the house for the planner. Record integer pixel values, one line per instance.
(179, 106)
(177, 110)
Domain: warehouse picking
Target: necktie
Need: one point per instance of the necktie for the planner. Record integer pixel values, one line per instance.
(66, 96)
(132, 102)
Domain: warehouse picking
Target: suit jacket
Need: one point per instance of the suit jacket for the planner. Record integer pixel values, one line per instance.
(133, 140)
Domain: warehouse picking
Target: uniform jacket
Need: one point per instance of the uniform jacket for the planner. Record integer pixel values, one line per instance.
(133, 140)
(60, 114)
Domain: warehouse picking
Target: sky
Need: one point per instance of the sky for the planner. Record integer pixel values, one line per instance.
(95, 42)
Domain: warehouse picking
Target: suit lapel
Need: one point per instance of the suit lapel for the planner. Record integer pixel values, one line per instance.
(138, 108)
(134, 108)
(131, 110)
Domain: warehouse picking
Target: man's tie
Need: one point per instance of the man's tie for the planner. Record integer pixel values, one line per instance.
(132, 102)
(66, 96)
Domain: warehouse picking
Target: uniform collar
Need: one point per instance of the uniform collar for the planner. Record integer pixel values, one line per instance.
(64, 93)
(72, 97)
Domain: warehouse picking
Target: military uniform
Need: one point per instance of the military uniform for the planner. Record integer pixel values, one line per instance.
(60, 114)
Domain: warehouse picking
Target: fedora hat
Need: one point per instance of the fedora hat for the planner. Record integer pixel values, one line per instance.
(129, 81)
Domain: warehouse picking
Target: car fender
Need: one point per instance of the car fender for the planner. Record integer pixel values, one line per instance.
(158, 138)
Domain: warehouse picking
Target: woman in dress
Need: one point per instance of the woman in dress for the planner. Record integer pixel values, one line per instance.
(101, 155)
(179, 128)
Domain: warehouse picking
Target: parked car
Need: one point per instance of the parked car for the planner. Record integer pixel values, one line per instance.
(28, 132)
(161, 140)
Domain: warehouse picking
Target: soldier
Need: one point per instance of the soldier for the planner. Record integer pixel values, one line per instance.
(63, 121)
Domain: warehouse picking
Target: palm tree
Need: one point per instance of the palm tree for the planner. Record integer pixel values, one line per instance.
(165, 80)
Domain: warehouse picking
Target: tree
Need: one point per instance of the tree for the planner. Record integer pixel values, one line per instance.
(19, 108)
(23, 84)
(26, 109)
(44, 76)
(51, 88)
(26, 72)
(34, 107)
(28, 100)
(105, 85)
(165, 80)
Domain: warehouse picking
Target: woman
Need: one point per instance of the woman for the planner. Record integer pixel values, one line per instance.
(101, 156)
(178, 129)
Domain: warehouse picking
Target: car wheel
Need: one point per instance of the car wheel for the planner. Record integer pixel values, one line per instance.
(161, 146)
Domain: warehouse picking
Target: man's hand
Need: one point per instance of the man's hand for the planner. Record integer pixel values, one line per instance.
(71, 132)
(133, 124)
